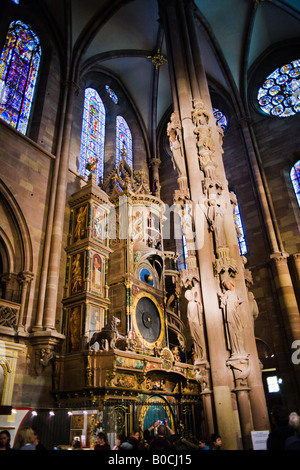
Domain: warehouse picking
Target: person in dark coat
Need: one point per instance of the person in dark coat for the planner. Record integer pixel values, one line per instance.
(160, 441)
(281, 429)
(293, 442)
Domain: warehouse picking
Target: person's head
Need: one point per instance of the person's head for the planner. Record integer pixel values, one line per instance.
(36, 437)
(294, 421)
(279, 416)
(101, 438)
(26, 436)
(136, 435)
(119, 439)
(4, 439)
(202, 442)
(216, 440)
(161, 430)
(76, 444)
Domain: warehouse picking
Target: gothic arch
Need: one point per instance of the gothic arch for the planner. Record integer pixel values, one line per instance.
(15, 245)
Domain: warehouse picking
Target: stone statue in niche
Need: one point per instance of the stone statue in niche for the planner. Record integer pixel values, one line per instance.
(230, 303)
(174, 133)
(200, 114)
(254, 311)
(215, 218)
(194, 315)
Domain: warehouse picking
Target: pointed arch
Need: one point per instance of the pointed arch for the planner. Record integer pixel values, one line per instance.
(19, 65)
(295, 179)
(92, 133)
(123, 141)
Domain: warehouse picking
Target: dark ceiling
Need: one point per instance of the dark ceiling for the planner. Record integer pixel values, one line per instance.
(119, 36)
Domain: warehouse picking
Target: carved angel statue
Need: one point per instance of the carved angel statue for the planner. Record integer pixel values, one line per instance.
(194, 315)
(174, 133)
(230, 303)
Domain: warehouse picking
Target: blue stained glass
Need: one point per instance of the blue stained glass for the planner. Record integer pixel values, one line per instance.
(92, 134)
(19, 64)
(123, 141)
(220, 118)
(16, 1)
(285, 88)
(295, 178)
(112, 94)
(240, 230)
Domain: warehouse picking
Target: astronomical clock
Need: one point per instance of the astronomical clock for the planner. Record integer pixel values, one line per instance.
(136, 264)
(124, 334)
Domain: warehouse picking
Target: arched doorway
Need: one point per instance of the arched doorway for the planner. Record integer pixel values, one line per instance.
(156, 408)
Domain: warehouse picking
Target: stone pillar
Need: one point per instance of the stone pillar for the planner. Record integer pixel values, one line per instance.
(59, 211)
(288, 305)
(295, 272)
(24, 279)
(216, 242)
(183, 101)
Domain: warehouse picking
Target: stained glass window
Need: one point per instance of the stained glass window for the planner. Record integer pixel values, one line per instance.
(280, 93)
(19, 64)
(240, 230)
(112, 94)
(220, 118)
(123, 141)
(295, 178)
(16, 1)
(92, 133)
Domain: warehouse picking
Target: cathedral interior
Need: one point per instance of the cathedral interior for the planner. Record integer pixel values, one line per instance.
(149, 216)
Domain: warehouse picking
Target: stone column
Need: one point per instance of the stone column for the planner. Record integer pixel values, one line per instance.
(216, 241)
(58, 222)
(183, 101)
(24, 279)
(288, 305)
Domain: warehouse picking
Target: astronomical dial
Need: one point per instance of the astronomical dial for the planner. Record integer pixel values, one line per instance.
(146, 276)
(148, 320)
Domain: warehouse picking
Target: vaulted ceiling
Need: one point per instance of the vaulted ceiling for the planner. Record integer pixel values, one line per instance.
(119, 36)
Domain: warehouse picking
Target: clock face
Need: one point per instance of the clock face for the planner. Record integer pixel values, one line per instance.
(148, 320)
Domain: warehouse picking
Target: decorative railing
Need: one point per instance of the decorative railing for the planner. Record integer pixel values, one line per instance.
(9, 313)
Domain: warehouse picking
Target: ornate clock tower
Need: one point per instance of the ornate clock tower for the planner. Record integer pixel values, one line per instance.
(121, 310)
(86, 299)
(136, 264)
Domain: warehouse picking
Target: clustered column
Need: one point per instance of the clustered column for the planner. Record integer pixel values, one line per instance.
(227, 358)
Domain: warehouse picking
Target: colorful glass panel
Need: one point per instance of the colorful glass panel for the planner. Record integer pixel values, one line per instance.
(240, 230)
(92, 134)
(220, 118)
(19, 64)
(280, 93)
(112, 94)
(123, 141)
(295, 178)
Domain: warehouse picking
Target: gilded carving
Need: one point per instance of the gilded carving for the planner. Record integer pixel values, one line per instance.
(80, 224)
(75, 328)
(76, 274)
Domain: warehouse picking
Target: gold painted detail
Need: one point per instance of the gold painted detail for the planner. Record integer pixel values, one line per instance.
(157, 59)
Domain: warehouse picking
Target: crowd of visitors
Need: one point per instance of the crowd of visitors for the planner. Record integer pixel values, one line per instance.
(159, 437)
